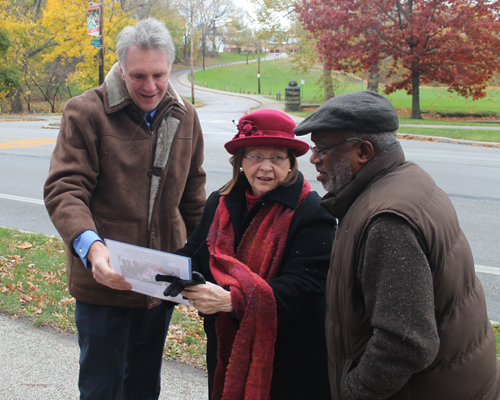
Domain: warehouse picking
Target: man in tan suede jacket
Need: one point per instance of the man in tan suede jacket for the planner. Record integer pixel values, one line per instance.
(127, 166)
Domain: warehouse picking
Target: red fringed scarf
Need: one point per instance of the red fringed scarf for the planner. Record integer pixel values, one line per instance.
(245, 355)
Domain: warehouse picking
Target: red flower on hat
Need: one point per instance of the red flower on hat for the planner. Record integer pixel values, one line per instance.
(248, 128)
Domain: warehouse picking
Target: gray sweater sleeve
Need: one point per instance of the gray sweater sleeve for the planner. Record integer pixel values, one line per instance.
(396, 283)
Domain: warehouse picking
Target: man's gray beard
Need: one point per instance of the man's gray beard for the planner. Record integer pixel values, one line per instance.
(339, 175)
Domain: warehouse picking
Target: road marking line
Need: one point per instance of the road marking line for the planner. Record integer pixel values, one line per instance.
(487, 270)
(23, 199)
(14, 144)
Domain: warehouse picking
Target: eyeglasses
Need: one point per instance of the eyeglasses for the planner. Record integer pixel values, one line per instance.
(257, 159)
(318, 151)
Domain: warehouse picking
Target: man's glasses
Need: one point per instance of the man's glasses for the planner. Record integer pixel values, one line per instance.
(257, 159)
(318, 151)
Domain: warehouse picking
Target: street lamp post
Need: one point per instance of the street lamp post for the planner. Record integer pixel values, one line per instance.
(258, 66)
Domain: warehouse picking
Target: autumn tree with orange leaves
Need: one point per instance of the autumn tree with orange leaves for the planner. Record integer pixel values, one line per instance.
(453, 42)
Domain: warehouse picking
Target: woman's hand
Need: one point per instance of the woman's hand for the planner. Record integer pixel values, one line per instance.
(209, 298)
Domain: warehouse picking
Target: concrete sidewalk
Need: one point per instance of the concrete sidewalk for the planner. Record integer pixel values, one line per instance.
(40, 364)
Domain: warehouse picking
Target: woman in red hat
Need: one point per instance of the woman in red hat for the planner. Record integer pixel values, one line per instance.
(263, 245)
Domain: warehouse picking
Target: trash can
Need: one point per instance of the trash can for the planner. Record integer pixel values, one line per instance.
(292, 97)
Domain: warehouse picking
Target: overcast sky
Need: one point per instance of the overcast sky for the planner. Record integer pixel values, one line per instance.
(246, 5)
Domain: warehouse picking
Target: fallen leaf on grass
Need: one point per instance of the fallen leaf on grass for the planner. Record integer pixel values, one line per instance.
(24, 246)
(25, 299)
(50, 277)
(65, 301)
(16, 258)
(10, 287)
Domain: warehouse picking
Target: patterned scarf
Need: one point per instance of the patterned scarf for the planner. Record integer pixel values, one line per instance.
(245, 355)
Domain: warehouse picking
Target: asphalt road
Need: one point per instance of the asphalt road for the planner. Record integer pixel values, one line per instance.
(469, 174)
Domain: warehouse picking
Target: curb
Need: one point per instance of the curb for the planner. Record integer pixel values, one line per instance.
(446, 140)
(51, 125)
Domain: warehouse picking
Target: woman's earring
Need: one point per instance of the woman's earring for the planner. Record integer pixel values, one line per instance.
(241, 169)
(289, 170)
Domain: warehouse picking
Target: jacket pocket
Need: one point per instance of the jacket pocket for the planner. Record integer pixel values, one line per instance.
(122, 231)
(174, 237)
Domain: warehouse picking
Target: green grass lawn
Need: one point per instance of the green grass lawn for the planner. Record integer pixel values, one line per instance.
(222, 58)
(439, 99)
(463, 134)
(33, 279)
(497, 337)
(33, 285)
(226, 56)
(276, 74)
(428, 121)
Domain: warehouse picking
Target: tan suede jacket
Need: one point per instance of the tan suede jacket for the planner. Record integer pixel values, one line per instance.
(113, 174)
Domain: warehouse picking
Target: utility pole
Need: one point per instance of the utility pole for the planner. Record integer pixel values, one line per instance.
(192, 55)
(101, 47)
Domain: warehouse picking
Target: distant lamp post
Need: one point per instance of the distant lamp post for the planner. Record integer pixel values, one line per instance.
(246, 36)
(258, 66)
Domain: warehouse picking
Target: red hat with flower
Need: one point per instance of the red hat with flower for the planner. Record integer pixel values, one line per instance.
(266, 128)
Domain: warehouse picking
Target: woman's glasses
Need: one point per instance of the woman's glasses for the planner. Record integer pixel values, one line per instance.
(257, 159)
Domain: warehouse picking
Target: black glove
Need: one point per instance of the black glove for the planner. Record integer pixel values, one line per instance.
(177, 285)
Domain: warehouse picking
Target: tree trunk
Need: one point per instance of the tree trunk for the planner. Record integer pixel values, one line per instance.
(373, 79)
(203, 52)
(328, 82)
(415, 99)
(17, 106)
(37, 10)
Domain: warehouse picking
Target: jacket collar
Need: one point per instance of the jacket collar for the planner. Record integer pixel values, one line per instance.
(116, 95)
(380, 166)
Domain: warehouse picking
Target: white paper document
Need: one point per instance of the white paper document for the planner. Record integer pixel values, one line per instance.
(139, 266)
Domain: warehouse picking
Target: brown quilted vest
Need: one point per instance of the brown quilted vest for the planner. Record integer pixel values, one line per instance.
(466, 366)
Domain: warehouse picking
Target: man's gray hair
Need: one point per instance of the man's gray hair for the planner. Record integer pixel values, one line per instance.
(147, 34)
(380, 141)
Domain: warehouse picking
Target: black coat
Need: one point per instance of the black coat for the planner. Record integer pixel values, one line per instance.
(300, 364)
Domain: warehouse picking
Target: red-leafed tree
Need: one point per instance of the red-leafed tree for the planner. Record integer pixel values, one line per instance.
(453, 42)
